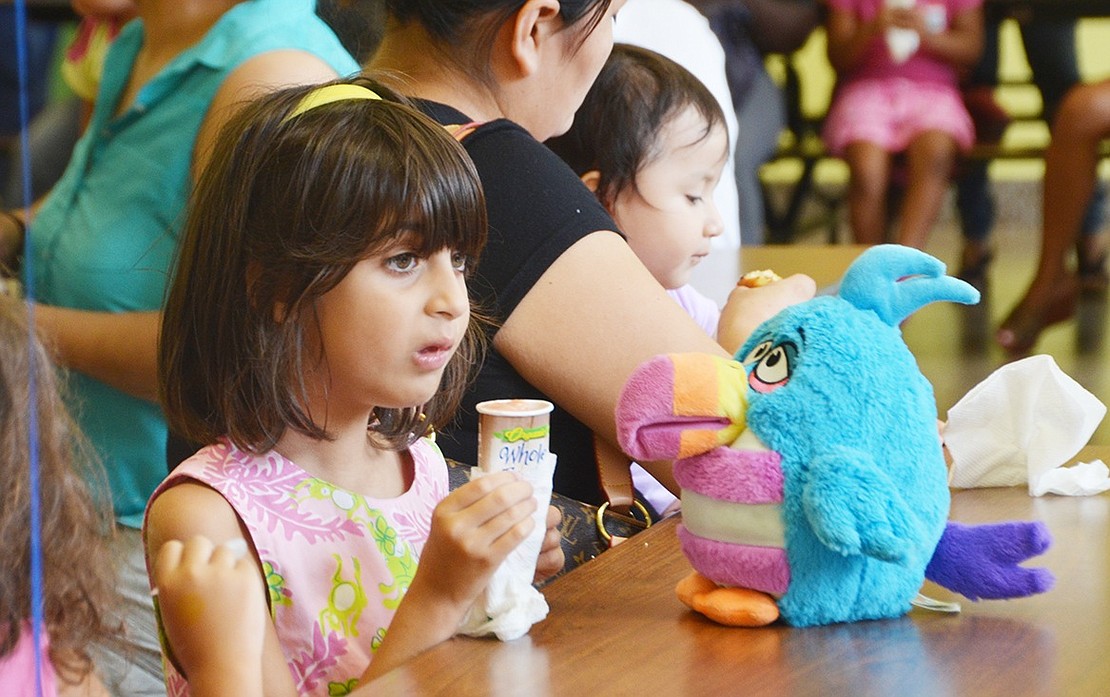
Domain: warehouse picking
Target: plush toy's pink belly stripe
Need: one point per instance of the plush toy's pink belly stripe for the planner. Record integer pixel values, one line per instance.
(739, 476)
(743, 566)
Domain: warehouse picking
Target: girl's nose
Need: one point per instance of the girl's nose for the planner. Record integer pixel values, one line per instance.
(714, 223)
(449, 296)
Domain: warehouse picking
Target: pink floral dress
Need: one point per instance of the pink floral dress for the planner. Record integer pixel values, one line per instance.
(337, 563)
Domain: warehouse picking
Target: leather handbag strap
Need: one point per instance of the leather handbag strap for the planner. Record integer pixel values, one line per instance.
(614, 472)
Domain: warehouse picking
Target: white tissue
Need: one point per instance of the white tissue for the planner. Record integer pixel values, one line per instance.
(1083, 479)
(1024, 420)
(902, 43)
(510, 604)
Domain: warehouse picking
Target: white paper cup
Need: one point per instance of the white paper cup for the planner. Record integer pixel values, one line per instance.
(513, 433)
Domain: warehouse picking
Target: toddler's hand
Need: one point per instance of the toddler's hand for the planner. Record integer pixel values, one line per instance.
(747, 308)
(551, 559)
(473, 530)
(212, 608)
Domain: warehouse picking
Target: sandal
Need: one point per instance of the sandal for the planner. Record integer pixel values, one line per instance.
(974, 271)
(1093, 279)
(1019, 332)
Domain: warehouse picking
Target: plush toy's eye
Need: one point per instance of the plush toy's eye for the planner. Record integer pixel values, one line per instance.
(758, 352)
(774, 368)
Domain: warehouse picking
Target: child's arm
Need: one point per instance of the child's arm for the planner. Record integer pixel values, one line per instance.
(848, 36)
(960, 44)
(473, 530)
(182, 513)
(206, 593)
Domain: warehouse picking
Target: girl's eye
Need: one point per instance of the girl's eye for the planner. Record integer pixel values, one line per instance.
(460, 261)
(694, 199)
(402, 262)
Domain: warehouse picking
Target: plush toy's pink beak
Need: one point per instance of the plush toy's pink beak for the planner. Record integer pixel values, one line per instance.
(680, 405)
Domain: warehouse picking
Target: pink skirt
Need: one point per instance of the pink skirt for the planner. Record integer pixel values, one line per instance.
(890, 112)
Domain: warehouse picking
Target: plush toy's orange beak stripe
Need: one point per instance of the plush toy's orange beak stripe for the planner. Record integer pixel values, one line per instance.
(697, 391)
(710, 387)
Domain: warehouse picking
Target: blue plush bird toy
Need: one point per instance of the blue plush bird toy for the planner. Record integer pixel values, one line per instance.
(813, 480)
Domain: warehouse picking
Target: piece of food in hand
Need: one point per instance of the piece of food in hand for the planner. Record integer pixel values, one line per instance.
(758, 278)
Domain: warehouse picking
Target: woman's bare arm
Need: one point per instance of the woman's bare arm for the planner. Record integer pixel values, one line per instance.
(120, 348)
(591, 319)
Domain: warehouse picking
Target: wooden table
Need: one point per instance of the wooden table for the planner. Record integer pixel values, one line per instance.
(825, 263)
(616, 628)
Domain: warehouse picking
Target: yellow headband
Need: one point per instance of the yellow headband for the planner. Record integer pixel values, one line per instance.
(331, 93)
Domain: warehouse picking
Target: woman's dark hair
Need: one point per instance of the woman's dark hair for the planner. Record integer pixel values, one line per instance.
(470, 25)
(284, 210)
(616, 130)
(75, 508)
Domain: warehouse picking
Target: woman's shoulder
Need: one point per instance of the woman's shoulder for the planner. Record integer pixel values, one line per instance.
(252, 28)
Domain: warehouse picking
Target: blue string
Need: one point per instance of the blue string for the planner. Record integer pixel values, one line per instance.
(37, 627)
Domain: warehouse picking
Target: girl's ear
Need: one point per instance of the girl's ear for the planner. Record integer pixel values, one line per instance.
(591, 179)
(532, 28)
(254, 272)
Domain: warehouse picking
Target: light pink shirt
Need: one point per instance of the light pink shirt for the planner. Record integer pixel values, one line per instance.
(17, 669)
(337, 562)
(920, 67)
(704, 311)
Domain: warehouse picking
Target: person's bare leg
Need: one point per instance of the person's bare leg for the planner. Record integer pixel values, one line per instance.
(869, 166)
(1071, 170)
(929, 160)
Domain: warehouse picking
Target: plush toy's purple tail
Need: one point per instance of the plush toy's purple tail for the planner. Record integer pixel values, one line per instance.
(981, 561)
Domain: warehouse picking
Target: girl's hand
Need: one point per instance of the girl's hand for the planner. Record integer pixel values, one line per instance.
(213, 612)
(105, 9)
(551, 559)
(747, 308)
(473, 530)
(883, 20)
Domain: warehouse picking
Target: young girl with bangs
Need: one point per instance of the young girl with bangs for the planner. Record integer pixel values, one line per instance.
(317, 331)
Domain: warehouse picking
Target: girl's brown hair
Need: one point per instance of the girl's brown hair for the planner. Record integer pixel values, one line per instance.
(617, 129)
(284, 210)
(76, 520)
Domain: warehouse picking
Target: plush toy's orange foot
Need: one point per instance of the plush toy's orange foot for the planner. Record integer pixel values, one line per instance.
(733, 607)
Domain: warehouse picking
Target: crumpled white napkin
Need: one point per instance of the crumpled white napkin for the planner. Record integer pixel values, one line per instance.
(1019, 425)
(901, 42)
(510, 604)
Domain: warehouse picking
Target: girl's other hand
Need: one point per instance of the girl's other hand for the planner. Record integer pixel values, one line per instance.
(747, 308)
(910, 18)
(105, 9)
(213, 612)
(551, 559)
